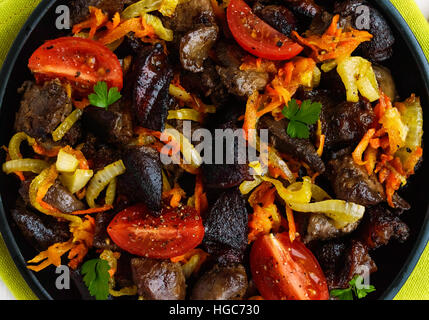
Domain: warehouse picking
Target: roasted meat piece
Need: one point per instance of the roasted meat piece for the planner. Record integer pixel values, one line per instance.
(233, 169)
(221, 283)
(59, 197)
(226, 224)
(279, 17)
(380, 47)
(113, 125)
(346, 123)
(320, 227)
(41, 231)
(191, 15)
(150, 78)
(341, 262)
(101, 237)
(239, 82)
(142, 182)
(80, 8)
(307, 8)
(195, 47)
(158, 279)
(302, 149)
(42, 110)
(380, 225)
(351, 182)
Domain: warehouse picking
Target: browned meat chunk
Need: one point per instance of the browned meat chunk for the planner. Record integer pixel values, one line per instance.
(142, 182)
(206, 84)
(192, 14)
(279, 17)
(352, 182)
(380, 47)
(114, 125)
(60, 198)
(380, 226)
(221, 283)
(40, 231)
(302, 149)
(158, 279)
(101, 237)
(307, 8)
(43, 109)
(226, 224)
(233, 168)
(357, 262)
(346, 123)
(239, 82)
(99, 154)
(320, 227)
(80, 8)
(341, 262)
(151, 77)
(385, 81)
(195, 47)
(242, 82)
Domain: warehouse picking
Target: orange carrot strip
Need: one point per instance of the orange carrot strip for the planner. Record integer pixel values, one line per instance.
(250, 117)
(201, 204)
(176, 195)
(360, 149)
(93, 210)
(291, 223)
(45, 152)
(370, 157)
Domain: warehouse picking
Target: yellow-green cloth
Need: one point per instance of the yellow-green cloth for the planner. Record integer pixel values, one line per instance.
(13, 14)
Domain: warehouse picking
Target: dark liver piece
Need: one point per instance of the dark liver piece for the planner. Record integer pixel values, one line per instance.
(221, 283)
(226, 224)
(352, 182)
(158, 279)
(40, 231)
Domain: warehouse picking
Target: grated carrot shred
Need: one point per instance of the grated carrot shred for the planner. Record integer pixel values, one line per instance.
(362, 146)
(291, 223)
(96, 20)
(175, 195)
(93, 210)
(201, 203)
(335, 43)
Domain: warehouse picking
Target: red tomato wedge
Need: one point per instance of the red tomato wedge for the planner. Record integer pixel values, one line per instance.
(258, 37)
(286, 271)
(173, 234)
(82, 62)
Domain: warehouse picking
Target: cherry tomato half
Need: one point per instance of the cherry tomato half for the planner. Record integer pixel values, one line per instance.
(172, 234)
(286, 271)
(82, 62)
(258, 37)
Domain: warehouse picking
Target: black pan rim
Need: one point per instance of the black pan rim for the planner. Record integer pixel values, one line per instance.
(35, 285)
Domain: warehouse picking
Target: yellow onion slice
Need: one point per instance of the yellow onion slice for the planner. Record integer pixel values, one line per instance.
(185, 114)
(15, 144)
(341, 212)
(24, 165)
(101, 180)
(66, 125)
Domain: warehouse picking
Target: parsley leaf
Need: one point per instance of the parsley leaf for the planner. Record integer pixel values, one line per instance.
(96, 277)
(356, 287)
(102, 97)
(301, 117)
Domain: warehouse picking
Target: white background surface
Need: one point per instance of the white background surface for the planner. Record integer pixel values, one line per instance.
(5, 293)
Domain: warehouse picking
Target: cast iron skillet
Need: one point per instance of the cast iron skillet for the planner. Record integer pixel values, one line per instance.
(395, 262)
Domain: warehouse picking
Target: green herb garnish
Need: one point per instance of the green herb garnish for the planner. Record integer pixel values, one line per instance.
(102, 97)
(347, 294)
(96, 277)
(301, 117)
